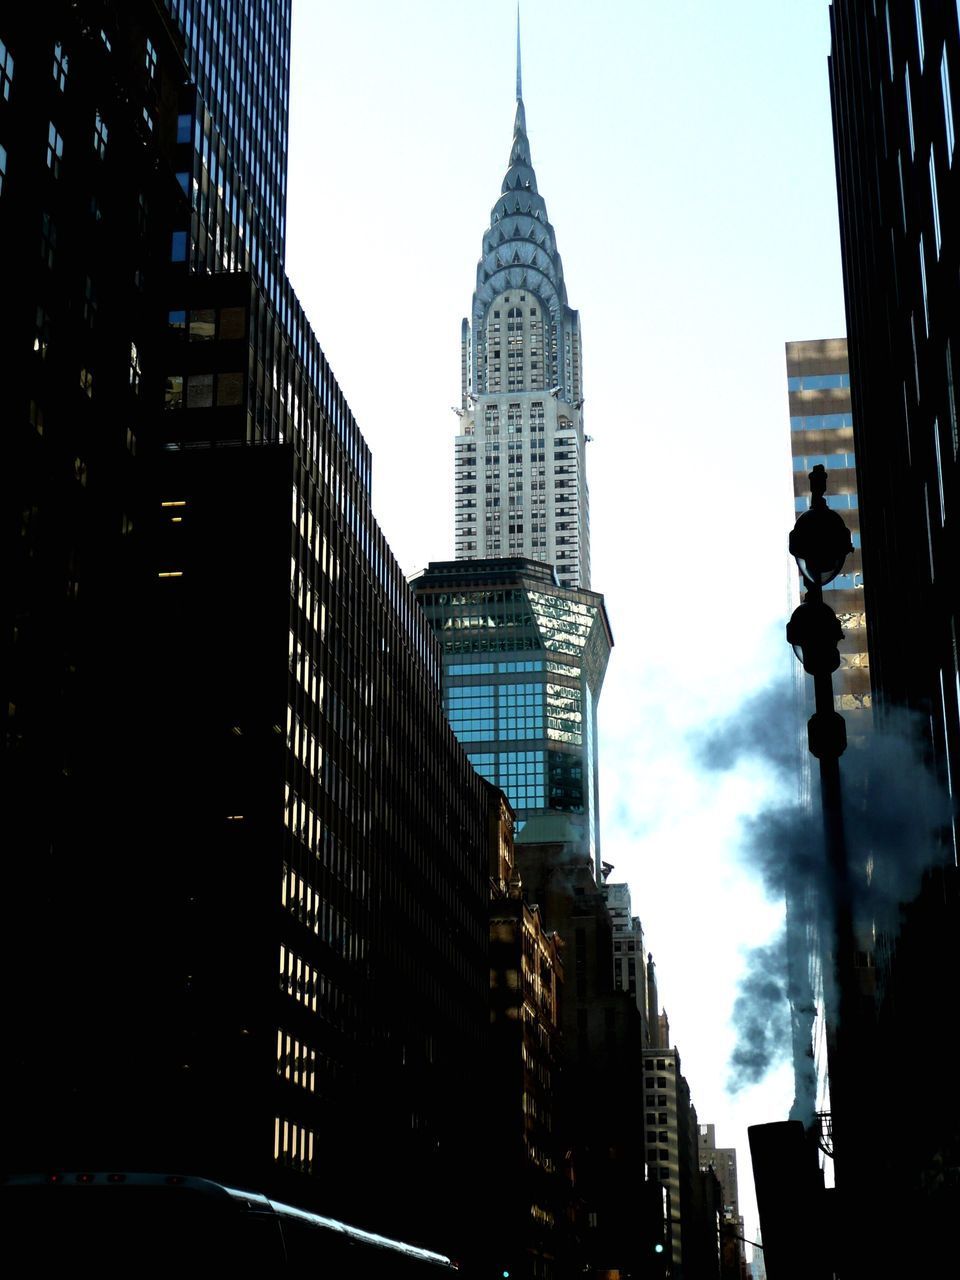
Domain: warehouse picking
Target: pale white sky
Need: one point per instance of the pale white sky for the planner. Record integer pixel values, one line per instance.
(684, 150)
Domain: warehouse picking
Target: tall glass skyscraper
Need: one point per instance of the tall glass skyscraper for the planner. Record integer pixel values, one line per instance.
(238, 55)
(524, 661)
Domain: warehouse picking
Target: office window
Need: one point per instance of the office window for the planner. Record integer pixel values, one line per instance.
(42, 334)
(203, 325)
(229, 389)
(923, 283)
(48, 239)
(889, 40)
(952, 403)
(3, 167)
(178, 246)
(173, 391)
(934, 201)
(100, 134)
(89, 302)
(61, 65)
(906, 89)
(936, 451)
(919, 17)
(233, 322)
(947, 105)
(150, 59)
(54, 150)
(6, 70)
(200, 391)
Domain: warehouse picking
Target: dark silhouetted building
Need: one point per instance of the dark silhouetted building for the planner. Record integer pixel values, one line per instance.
(246, 887)
(528, 1192)
(894, 79)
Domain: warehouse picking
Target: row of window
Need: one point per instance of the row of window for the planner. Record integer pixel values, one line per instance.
(293, 1145)
(818, 381)
(820, 421)
(197, 390)
(519, 774)
(832, 461)
(836, 501)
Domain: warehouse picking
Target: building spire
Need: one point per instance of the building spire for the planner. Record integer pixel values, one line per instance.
(519, 82)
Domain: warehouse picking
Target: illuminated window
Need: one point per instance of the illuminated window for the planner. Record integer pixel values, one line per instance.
(61, 65)
(947, 105)
(100, 134)
(6, 71)
(54, 150)
(173, 391)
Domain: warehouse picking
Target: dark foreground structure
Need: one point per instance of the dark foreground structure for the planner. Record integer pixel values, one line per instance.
(245, 883)
(894, 72)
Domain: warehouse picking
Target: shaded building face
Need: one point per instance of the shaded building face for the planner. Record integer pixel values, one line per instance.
(895, 76)
(524, 662)
(233, 772)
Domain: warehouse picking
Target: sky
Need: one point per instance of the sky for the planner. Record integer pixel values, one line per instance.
(685, 154)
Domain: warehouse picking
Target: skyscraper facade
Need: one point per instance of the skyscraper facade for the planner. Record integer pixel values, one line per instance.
(524, 661)
(894, 80)
(520, 463)
(238, 55)
(250, 857)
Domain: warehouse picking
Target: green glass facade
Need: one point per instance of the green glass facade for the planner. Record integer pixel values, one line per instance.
(524, 661)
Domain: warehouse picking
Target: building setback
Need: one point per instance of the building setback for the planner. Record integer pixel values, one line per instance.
(248, 898)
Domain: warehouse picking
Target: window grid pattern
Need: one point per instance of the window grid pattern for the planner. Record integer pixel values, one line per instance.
(487, 713)
(519, 774)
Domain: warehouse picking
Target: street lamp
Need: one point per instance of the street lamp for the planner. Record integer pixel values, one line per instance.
(820, 542)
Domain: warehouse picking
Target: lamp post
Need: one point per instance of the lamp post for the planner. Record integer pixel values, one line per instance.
(820, 542)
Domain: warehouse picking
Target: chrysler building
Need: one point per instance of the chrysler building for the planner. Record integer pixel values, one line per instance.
(520, 474)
